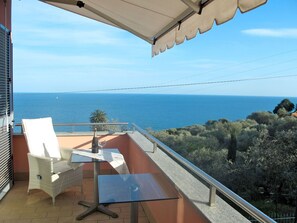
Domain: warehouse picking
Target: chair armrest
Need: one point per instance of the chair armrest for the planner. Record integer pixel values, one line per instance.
(40, 158)
(40, 164)
(66, 153)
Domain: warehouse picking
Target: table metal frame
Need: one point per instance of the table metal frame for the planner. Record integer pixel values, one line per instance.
(95, 206)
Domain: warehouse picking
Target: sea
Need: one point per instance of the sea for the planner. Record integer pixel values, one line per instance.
(149, 111)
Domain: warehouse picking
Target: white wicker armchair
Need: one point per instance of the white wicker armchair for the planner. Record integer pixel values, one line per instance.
(50, 168)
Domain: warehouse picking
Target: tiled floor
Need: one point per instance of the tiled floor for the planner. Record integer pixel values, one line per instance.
(19, 207)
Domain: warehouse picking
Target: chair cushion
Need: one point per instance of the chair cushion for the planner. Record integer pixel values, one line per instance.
(41, 137)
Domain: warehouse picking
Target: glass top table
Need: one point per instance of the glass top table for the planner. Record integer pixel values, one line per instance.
(93, 206)
(76, 158)
(134, 188)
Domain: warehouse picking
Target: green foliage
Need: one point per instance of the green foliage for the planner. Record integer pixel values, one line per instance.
(205, 157)
(282, 124)
(232, 148)
(246, 138)
(256, 157)
(284, 107)
(263, 117)
(98, 116)
(276, 157)
(282, 112)
(195, 129)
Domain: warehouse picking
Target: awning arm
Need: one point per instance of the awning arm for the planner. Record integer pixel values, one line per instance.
(176, 22)
(197, 6)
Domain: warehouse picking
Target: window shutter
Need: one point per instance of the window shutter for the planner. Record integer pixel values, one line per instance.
(6, 113)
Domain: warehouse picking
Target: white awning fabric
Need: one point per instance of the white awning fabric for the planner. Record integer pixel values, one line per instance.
(162, 23)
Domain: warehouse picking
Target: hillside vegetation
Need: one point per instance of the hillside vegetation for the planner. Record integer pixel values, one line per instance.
(256, 157)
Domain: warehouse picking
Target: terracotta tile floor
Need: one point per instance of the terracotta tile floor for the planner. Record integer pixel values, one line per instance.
(19, 207)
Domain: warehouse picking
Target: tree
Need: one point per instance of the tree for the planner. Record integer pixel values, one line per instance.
(275, 157)
(246, 138)
(256, 157)
(285, 104)
(282, 124)
(98, 116)
(263, 117)
(232, 148)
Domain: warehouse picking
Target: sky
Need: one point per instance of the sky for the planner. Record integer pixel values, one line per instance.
(58, 51)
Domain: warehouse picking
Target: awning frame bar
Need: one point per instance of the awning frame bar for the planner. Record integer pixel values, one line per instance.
(176, 22)
(182, 17)
(195, 7)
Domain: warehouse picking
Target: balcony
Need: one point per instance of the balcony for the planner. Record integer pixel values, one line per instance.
(143, 153)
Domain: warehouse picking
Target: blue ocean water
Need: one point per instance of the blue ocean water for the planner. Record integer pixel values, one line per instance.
(147, 111)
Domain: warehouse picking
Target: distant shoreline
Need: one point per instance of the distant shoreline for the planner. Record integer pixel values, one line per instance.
(124, 93)
(153, 111)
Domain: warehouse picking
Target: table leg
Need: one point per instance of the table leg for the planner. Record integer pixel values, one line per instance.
(134, 212)
(93, 207)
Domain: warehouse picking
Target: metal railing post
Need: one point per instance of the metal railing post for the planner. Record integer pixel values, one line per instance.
(212, 196)
(155, 146)
(133, 128)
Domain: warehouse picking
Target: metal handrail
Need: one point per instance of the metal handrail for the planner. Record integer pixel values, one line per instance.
(91, 124)
(84, 124)
(213, 184)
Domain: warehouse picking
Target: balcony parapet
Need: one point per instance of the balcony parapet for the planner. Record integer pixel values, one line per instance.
(188, 179)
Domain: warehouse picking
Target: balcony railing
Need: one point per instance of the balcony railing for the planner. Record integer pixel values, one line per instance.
(83, 127)
(212, 184)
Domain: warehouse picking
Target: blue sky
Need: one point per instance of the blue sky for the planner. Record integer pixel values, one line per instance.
(57, 51)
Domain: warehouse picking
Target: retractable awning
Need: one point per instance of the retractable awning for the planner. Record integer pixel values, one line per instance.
(162, 23)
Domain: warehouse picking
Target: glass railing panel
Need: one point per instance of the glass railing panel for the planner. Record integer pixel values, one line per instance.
(84, 127)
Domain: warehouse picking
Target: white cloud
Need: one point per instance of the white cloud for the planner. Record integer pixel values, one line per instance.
(32, 59)
(37, 12)
(45, 36)
(39, 24)
(283, 33)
